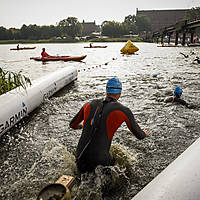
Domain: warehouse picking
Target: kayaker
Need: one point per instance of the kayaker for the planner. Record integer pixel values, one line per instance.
(101, 119)
(90, 45)
(176, 98)
(18, 46)
(44, 54)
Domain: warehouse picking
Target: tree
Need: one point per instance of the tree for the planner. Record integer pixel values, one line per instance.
(3, 33)
(130, 22)
(114, 29)
(143, 23)
(70, 27)
(130, 19)
(47, 32)
(24, 32)
(193, 14)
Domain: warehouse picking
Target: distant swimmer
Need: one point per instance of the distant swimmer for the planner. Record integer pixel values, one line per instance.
(176, 98)
(192, 52)
(101, 119)
(197, 59)
(186, 56)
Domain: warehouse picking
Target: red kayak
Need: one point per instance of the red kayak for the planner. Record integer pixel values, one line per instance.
(96, 47)
(169, 46)
(23, 48)
(59, 58)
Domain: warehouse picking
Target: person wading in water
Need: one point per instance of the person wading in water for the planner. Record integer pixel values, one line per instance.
(101, 119)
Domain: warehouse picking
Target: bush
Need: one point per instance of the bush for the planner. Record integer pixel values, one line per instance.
(11, 80)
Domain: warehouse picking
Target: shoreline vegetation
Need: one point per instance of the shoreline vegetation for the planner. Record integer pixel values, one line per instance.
(11, 80)
(138, 39)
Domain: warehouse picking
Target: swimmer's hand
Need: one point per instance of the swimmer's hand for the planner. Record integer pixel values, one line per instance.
(147, 132)
(80, 126)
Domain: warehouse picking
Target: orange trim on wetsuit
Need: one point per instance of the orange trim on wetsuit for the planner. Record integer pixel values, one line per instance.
(114, 121)
(81, 115)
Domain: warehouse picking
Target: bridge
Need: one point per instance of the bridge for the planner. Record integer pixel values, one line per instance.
(182, 27)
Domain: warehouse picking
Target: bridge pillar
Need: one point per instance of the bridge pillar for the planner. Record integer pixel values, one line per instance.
(176, 39)
(157, 39)
(162, 37)
(183, 40)
(192, 37)
(169, 38)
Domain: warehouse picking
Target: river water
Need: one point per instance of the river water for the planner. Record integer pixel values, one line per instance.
(41, 147)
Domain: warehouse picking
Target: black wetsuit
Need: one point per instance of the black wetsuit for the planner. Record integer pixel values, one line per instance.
(112, 116)
(177, 100)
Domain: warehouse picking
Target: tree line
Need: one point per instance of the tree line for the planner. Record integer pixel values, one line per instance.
(70, 28)
(67, 28)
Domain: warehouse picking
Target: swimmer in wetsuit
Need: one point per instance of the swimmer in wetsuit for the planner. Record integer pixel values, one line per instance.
(101, 119)
(197, 59)
(176, 98)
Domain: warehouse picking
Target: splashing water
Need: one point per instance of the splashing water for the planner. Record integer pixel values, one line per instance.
(107, 182)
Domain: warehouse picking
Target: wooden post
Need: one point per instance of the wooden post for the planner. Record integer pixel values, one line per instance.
(183, 40)
(169, 38)
(176, 39)
(192, 37)
(162, 38)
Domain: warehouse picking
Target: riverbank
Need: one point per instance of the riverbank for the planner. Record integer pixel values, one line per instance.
(69, 40)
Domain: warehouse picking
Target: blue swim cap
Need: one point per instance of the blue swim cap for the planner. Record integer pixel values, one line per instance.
(178, 91)
(154, 75)
(114, 86)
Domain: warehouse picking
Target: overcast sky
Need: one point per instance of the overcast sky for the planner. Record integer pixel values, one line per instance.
(15, 13)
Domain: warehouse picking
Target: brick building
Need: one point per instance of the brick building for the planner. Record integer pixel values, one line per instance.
(163, 18)
(89, 27)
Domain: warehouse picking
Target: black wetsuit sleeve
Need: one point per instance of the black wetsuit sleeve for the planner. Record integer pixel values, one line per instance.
(181, 101)
(133, 125)
(177, 100)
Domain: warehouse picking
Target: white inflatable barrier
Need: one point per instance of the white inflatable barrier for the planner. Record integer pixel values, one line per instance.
(18, 103)
(179, 181)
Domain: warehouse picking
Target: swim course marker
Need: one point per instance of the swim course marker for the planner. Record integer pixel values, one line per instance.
(179, 181)
(18, 103)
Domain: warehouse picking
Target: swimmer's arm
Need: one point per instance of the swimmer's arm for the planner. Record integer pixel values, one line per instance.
(134, 127)
(78, 118)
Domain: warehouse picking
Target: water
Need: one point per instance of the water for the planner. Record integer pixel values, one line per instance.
(41, 147)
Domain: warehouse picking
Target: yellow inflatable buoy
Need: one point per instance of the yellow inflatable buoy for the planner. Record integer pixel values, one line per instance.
(129, 48)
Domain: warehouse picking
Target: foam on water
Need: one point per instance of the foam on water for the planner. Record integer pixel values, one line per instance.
(107, 182)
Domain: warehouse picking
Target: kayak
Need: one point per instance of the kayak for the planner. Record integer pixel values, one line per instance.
(194, 45)
(59, 58)
(169, 46)
(96, 47)
(23, 48)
